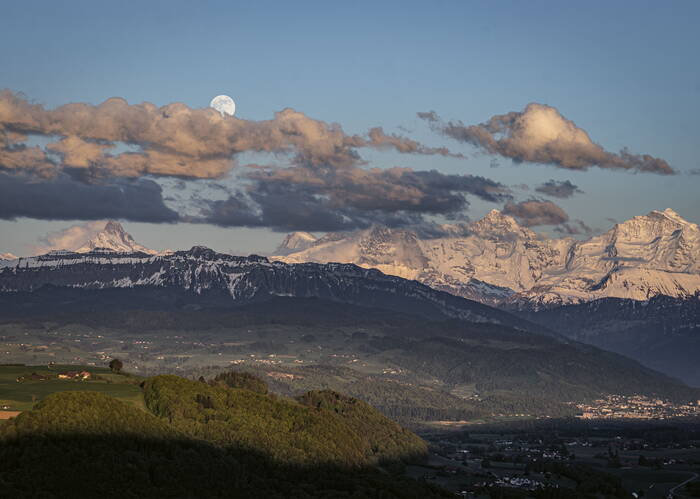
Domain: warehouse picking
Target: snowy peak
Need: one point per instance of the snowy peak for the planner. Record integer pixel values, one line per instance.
(654, 224)
(8, 256)
(497, 225)
(496, 260)
(296, 241)
(113, 237)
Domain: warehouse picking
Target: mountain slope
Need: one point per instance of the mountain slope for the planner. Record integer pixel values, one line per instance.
(226, 280)
(662, 333)
(7, 256)
(296, 241)
(496, 261)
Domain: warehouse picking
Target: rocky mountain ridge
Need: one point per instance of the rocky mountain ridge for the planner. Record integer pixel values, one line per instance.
(497, 261)
(228, 280)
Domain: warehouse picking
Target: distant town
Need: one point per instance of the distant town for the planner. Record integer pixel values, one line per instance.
(636, 407)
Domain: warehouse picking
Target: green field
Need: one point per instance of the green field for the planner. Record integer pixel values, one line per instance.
(21, 396)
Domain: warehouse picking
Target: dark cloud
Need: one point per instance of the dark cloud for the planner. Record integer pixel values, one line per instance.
(694, 171)
(431, 116)
(535, 212)
(63, 198)
(575, 228)
(540, 134)
(318, 199)
(558, 189)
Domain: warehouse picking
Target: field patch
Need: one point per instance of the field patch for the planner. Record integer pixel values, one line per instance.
(22, 395)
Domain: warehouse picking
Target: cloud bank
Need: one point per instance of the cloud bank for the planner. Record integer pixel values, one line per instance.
(63, 198)
(172, 140)
(327, 199)
(540, 134)
(70, 238)
(101, 162)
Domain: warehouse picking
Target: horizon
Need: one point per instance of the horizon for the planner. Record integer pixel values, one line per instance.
(67, 239)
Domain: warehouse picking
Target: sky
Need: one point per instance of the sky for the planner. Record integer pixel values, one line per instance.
(568, 116)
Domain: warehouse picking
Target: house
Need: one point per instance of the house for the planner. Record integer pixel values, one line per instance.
(77, 375)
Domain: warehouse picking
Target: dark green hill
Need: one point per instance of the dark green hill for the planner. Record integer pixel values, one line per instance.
(386, 439)
(282, 429)
(206, 441)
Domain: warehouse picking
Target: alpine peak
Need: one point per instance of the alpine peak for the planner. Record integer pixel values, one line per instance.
(296, 241)
(113, 237)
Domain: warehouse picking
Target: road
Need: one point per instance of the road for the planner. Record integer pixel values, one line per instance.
(683, 484)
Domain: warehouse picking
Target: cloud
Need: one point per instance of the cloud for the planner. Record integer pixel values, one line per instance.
(558, 189)
(63, 198)
(378, 139)
(430, 116)
(540, 134)
(318, 199)
(70, 238)
(535, 212)
(694, 171)
(101, 160)
(172, 140)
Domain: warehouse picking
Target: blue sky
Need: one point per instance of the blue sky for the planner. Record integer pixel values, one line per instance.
(625, 72)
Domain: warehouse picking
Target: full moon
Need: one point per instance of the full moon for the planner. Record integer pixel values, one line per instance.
(224, 104)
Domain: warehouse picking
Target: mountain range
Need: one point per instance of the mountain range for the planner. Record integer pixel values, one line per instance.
(413, 351)
(633, 289)
(227, 280)
(499, 262)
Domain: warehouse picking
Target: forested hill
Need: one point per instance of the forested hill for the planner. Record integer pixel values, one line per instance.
(201, 439)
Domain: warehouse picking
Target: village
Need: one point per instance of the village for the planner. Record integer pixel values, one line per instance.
(648, 458)
(636, 407)
(66, 375)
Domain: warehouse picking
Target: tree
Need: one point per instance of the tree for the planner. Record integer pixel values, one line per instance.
(116, 365)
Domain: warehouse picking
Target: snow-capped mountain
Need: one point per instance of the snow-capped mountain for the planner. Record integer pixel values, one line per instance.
(7, 256)
(114, 237)
(296, 241)
(223, 280)
(497, 261)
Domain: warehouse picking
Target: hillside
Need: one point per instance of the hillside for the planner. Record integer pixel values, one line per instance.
(662, 333)
(203, 440)
(411, 368)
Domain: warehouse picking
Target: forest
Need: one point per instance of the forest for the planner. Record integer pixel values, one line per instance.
(207, 439)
